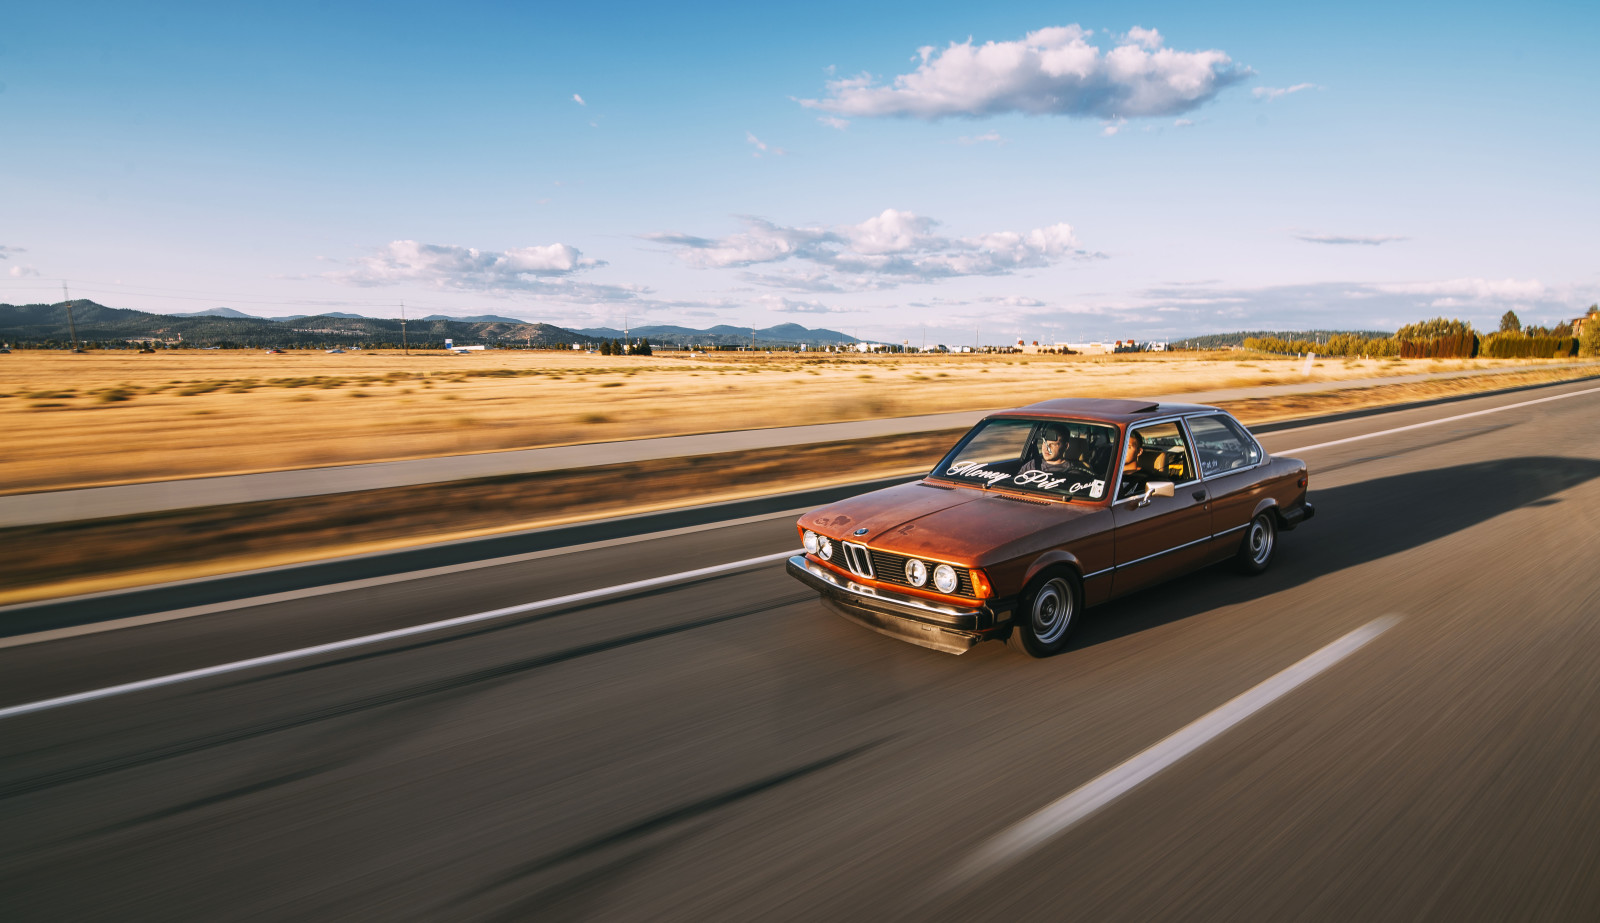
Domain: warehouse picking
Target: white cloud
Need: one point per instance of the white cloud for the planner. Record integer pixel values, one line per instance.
(988, 137)
(1112, 128)
(890, 247)
(834, 122)
(1271, 93)
(579, 100)
(761, 146)
(18, 272)
(1370, 241)
(1471, 289)
(540, 269)
(1053, 71)
(1183, 123)
(790, 306)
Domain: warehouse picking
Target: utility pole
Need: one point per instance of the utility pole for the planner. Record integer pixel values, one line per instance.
(404, 343)
(67, 299)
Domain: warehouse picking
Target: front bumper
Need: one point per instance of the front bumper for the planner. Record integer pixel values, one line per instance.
(952, 629)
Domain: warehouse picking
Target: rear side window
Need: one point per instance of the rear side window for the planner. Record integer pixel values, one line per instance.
(1222, 445)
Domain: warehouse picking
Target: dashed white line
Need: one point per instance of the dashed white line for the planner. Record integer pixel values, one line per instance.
(304, 652)
(1059, 816)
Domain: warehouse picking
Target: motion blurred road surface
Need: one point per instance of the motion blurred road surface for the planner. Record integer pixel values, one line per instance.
(724, 749)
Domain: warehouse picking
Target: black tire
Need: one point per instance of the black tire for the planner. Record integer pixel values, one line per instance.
(1260, 542)
(1050, 610)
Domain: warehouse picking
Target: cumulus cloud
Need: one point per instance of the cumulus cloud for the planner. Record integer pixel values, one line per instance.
(19, 272)
(540, 270)
(579, 100)
(1271, 93)
(834, 122)
(1053, 71)
(888, 248)
(761, 147)
(1372, 241)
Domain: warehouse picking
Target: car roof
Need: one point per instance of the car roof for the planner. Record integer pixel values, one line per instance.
(1108, 410)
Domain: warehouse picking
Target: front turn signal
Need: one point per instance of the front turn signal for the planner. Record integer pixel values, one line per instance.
(980, 584)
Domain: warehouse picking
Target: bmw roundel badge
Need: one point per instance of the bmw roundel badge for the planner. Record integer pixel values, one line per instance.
(861, 531)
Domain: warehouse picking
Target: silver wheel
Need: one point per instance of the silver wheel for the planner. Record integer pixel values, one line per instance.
(1255, 552)
(1052, 611)
(1047, 616)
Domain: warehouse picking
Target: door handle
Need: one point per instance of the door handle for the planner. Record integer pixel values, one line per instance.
(1199, 495)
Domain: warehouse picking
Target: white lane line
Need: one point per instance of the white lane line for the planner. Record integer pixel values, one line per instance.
(1459, 416)
(1057, 817)
(250, 602)
(304, 652)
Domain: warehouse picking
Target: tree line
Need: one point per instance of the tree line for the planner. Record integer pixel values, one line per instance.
(1442, 338)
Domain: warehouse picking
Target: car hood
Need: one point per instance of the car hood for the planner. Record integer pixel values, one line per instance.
(961, 524)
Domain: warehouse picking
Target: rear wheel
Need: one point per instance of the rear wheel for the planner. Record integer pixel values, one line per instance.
(1260, 540)
(1048, 614)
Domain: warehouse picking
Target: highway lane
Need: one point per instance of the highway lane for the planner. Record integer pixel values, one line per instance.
(725, 749)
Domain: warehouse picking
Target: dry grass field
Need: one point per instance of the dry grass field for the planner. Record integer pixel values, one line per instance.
(453, 405)
(119, 417)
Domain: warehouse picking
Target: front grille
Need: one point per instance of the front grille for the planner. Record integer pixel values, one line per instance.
(891, 568)
(857, 559)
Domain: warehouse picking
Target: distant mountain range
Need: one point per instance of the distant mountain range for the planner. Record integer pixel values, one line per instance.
(46, 324)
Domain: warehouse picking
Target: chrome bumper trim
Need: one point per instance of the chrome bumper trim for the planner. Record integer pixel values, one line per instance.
(820, 574)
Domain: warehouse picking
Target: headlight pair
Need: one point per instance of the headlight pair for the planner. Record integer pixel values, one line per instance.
(817, 545)
(944, 576)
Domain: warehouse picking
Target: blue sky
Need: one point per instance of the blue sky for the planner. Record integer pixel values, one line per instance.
(1047, 171)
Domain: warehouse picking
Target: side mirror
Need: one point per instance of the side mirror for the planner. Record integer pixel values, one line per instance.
(1156, 489)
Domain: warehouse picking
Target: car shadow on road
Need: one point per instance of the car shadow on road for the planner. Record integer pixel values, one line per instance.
(1355, 524)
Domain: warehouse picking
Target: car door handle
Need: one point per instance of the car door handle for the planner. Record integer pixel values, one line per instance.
(1199, 495)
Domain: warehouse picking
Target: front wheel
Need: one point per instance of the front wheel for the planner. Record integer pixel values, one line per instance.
(1047, 617)
(1255, 549)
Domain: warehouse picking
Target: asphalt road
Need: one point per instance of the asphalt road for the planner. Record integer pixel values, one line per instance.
(724, 749)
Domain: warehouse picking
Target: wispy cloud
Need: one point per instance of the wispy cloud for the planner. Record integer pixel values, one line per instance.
(1342, 240)
(21, 272)
(1053, 71)
(1271, 93)
(761, 147)
(892, 247)
(988, 137)
(4, 251)
(579, 100)
(782, 305)
(834, 122)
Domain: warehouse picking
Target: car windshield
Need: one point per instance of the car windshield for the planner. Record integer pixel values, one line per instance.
(1062, 458)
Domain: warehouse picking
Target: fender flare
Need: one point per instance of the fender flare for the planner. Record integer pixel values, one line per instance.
(1050, 559)
(1268, 503)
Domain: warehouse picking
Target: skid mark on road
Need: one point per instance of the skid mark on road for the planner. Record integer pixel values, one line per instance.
(421, 690)
(673, 816)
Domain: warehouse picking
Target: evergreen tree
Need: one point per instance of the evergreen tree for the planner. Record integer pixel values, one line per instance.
(605, 347)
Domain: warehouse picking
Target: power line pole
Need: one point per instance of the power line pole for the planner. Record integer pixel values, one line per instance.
(67, 299)
(404, 343)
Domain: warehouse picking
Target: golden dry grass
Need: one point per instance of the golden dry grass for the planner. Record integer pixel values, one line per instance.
(118, 417)
(55, 560)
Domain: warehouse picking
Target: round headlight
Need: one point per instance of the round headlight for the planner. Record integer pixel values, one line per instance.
(810, 541)
(916, 572)
(944, 577)
(827, 547)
